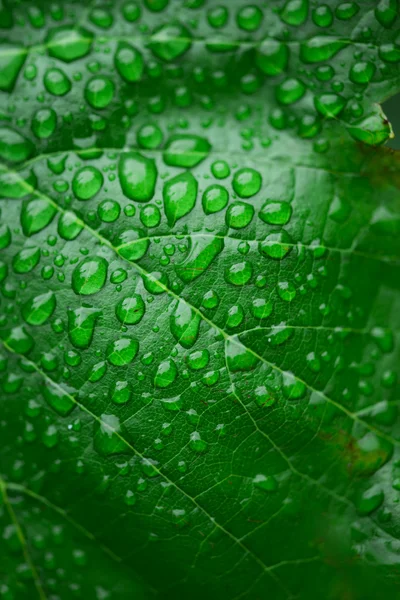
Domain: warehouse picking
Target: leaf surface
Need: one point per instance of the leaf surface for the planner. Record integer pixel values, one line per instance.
(199, 310)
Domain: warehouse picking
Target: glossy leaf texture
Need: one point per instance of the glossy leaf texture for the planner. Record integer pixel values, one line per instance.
(199, 300)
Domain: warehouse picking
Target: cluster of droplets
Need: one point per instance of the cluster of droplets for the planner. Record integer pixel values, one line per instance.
(302, 72)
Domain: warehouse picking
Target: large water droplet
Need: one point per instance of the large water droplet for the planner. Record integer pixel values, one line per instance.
(69, 44)
(179, 196)
(81, 325)
(166, 374)
(122, 351)
(36, 215)
(276, 245)
(89, 276)
(61, 401)
(26, 259)
(186, 150)
(56, 82)
(68, 226)
(137, 176)
(185, 324)
(12, 58)
(20, 340)
(238, 357)
(239, 273)
(131, 244)
(108, 436)
(246, 182)
(99, 92)
(215, 198)
(170, 41)
(40, 308)
(203, 251)
(321, 48)
(130, 310)
(87, 183)
(13, 146)
(272, 57)
(129, 62)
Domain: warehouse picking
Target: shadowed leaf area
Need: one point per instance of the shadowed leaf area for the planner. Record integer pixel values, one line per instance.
(199, 300)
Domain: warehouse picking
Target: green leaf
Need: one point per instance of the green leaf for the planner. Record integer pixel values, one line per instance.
(199, 300)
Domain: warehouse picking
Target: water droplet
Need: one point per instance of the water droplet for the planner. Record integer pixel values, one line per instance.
(131, 244)
(292, 387)
(69, 44)
(26, 259)
(246, 182)
(44, 123)
(129, 62)
(275, 213)
(155, 282)
(61, 401)
(322, 16)
(362, 72)
(121, 352)
(20, 340)
(11, 61)
(99, 92)
(101, 17)
(149, 136)
(203, 251)
(108, 211)
(263, 396)
(239, 273)
(13, 146)
(369, 500)
(108, 436)
(266, 483)
(138, 176)
(239, 215)
(295, 12)
(150, 216)
(170, 41)
(68, 226)
(56, 82)
(321, 48)
(36, 215)
(89, 276)
(196, 443)
(17, 185)
(329, 105)
(272, 57)
(185, 324)
(81, 325)
(166, 374)
(235, 316)
(87, 182)
(179, 195)
(286, 291)
(130, 310)
(239, 358)
(37, 310)
(121, 392)
(249, 18)
(276, 245)
(198, 360)
(215, 198)
(261, 308)
(130, 498)
(97, 371)
(386, 12)
(290, 91)
(186, 151)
